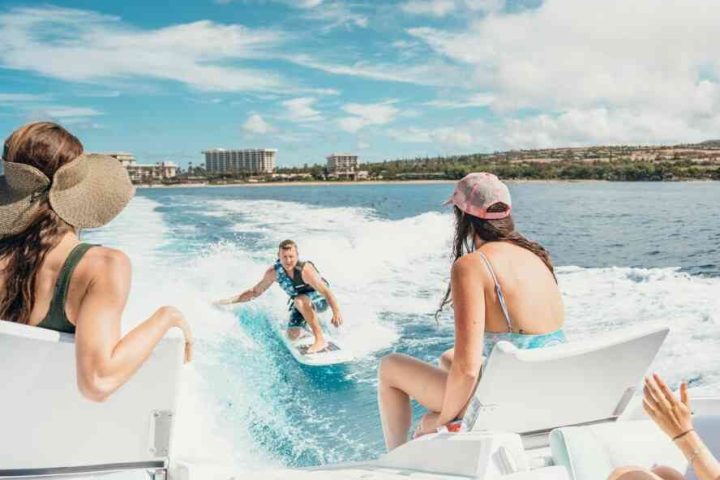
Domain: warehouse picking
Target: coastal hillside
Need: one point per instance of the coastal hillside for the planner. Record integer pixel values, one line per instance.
(620, 163)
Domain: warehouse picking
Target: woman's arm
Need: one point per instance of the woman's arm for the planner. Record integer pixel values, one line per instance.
(469, 308)
(104, 360)
(253, 292)
(674, 417)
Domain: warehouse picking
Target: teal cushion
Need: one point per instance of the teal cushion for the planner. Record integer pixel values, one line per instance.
(579, 451)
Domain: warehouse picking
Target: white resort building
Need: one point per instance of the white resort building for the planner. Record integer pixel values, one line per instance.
(344, 165)
(140, 173)
(251, 160)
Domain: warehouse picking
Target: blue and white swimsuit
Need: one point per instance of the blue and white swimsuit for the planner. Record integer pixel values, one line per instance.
(295, 287)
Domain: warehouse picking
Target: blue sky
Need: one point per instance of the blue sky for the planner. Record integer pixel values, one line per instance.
(167, 79)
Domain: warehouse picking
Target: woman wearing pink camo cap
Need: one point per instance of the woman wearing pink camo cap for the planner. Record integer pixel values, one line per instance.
(503, 287)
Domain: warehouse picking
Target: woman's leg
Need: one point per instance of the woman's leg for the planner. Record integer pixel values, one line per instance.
(446, 359)
(667, 473)
(402, 377)
(634, 473)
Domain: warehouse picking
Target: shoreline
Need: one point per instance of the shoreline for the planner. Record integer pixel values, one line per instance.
(395, 182)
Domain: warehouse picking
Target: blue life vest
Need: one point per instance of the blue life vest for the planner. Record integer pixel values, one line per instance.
(296, 285)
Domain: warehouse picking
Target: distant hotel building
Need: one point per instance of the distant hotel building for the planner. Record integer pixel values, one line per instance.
(252, 160)
(341, 165)
(144, 173)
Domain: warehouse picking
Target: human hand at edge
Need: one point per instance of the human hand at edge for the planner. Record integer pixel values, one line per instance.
(428, 424)
(671, 414)
(177, 319)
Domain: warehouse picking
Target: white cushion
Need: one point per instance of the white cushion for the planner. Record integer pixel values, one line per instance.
(592, 452)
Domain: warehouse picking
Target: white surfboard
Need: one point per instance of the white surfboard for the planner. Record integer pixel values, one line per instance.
(334, 353)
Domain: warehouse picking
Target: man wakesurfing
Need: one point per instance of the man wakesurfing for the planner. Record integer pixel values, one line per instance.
(309, 294)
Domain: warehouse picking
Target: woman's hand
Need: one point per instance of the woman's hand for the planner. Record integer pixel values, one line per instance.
(671, 414)
(428, 424)
(177, 319)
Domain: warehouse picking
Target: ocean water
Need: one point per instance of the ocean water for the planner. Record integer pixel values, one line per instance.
(627, 254)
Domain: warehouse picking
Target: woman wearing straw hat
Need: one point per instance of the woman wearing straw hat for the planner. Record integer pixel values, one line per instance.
(503, 287)
(51, 190)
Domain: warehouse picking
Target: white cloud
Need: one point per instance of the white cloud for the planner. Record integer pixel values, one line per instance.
(256, 124)
(61, 112)
(632, 71)
(476, 100)
(445, 137)
(577, 127)
(99, 94)
(80, 45)
(291, 3)
(366, 114)
(432, 73)
(307, 3)
(8, 98)
(301, 109)
(336, 14)
(436, 8)
(65, 114)
(442, 8)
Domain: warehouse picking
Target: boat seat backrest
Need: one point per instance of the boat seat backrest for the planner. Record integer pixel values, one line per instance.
(531, 391)
(48, 426)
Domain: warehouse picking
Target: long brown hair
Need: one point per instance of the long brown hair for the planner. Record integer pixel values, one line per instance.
(47, 147)
(501, 230)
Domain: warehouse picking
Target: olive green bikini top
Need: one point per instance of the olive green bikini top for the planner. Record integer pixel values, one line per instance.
(56, 319)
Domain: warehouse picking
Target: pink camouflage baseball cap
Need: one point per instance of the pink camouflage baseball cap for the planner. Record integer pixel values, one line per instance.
(477, 192)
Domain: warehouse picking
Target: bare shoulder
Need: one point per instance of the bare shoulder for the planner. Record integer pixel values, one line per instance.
(466, 264)
(107, 263)
(309, 271)
(309, 267)
(469, 269)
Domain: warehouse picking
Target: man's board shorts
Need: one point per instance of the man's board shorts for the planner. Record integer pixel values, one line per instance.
(319, 304)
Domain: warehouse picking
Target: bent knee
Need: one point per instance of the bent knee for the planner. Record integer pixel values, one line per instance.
(389, 365)
(302, 302)
(447, 357)
(631, 473)
(667, 473)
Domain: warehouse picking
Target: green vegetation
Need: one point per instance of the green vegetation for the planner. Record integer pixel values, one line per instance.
(617, 170)
(612, 163)
(620, 163)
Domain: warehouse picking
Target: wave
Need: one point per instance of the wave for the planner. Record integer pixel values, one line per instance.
(246, 401)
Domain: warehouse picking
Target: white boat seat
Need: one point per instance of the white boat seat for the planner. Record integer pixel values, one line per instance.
(49, 428)
(533, 391)
(593, 452)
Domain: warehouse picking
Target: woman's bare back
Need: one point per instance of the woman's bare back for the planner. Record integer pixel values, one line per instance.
(49, 273)
(533, 298)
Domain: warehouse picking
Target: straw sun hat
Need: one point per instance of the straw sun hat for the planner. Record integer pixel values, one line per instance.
(86, 192)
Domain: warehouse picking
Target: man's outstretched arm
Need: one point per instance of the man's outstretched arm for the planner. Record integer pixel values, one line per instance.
(311, 276)
(253, 292)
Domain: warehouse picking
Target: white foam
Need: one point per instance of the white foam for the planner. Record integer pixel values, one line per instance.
(599, 299)
(159, 280)
(381, 271)
(376, 267)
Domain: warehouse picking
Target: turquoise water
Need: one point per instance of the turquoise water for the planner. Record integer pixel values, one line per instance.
(627, 253)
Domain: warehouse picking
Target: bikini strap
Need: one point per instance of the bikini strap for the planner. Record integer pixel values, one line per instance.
(498, 290)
